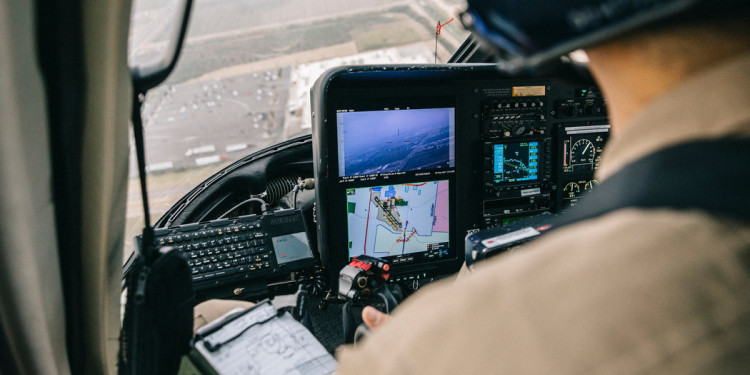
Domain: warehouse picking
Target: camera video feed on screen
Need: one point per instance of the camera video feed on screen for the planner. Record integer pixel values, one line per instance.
(386, 141)
(396, 220)
(516, 161)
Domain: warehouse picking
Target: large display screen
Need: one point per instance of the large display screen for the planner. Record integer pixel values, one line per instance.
(386, 141)
(516, 161)
(394, 220)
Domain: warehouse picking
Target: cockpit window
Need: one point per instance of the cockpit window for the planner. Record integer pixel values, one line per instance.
(243, 80)
(151, 26)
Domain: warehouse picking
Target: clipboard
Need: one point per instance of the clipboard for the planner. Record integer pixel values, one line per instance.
(259, 340)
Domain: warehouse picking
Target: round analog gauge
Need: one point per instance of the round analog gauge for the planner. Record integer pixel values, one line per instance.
(572, 189)
(591, 185)
(582, 152)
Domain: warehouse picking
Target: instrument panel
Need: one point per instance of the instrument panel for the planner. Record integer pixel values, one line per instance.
(409, 160)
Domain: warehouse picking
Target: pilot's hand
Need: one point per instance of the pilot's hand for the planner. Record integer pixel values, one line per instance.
(374, 318)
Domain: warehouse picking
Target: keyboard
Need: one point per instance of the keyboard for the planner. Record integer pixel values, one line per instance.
(225, 251)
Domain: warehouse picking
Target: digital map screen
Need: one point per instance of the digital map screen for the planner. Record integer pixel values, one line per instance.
(514, 162)
(388, 141)
(398, 219)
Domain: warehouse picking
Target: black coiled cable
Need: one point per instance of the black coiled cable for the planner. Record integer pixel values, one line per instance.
(277, 188)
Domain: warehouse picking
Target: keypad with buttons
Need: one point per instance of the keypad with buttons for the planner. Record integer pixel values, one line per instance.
(221, 249)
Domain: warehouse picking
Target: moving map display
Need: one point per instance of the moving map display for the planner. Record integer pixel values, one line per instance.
(388, 141)
(517, 161)
(398, 219)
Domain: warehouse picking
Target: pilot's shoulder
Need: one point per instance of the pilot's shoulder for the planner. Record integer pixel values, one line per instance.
(660, 250)
(624, 290)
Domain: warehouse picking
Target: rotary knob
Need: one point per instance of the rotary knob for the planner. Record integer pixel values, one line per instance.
(518, 129)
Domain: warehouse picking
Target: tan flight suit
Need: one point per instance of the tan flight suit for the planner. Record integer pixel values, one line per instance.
(634, 291)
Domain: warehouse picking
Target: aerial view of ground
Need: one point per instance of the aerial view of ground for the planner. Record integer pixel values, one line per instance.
(395, 140)
(242, 81)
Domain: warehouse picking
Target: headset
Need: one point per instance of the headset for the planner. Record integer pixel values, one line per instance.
(527, 34)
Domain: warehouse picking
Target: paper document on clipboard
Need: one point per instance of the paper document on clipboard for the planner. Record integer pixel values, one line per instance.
(259, 341)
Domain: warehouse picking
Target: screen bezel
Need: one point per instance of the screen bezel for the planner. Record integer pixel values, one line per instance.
(336, 187)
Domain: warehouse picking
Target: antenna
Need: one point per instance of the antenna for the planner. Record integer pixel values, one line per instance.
(438, 28)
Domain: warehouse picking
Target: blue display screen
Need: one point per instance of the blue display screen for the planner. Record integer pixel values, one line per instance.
(515, 162)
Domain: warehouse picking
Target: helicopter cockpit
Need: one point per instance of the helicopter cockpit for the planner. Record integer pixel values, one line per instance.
(404, 161)
(316, 159)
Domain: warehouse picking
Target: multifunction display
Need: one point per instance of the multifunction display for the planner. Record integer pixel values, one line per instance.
(393, 180)
(398, 220)
(396, 168)
(517, 161)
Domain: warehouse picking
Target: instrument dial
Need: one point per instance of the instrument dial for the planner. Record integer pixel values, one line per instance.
(582, 152)
(591, 185)
(572, 189)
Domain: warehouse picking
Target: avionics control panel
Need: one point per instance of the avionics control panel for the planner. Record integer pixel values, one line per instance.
(536, 138)
(411, 159)
(517, 150)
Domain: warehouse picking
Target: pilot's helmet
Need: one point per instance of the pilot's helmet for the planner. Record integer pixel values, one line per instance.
(525, 34)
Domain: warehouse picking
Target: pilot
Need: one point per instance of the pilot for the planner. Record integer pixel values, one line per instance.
(634, 290)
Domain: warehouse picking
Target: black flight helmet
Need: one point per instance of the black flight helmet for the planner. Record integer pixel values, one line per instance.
(526, 34)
